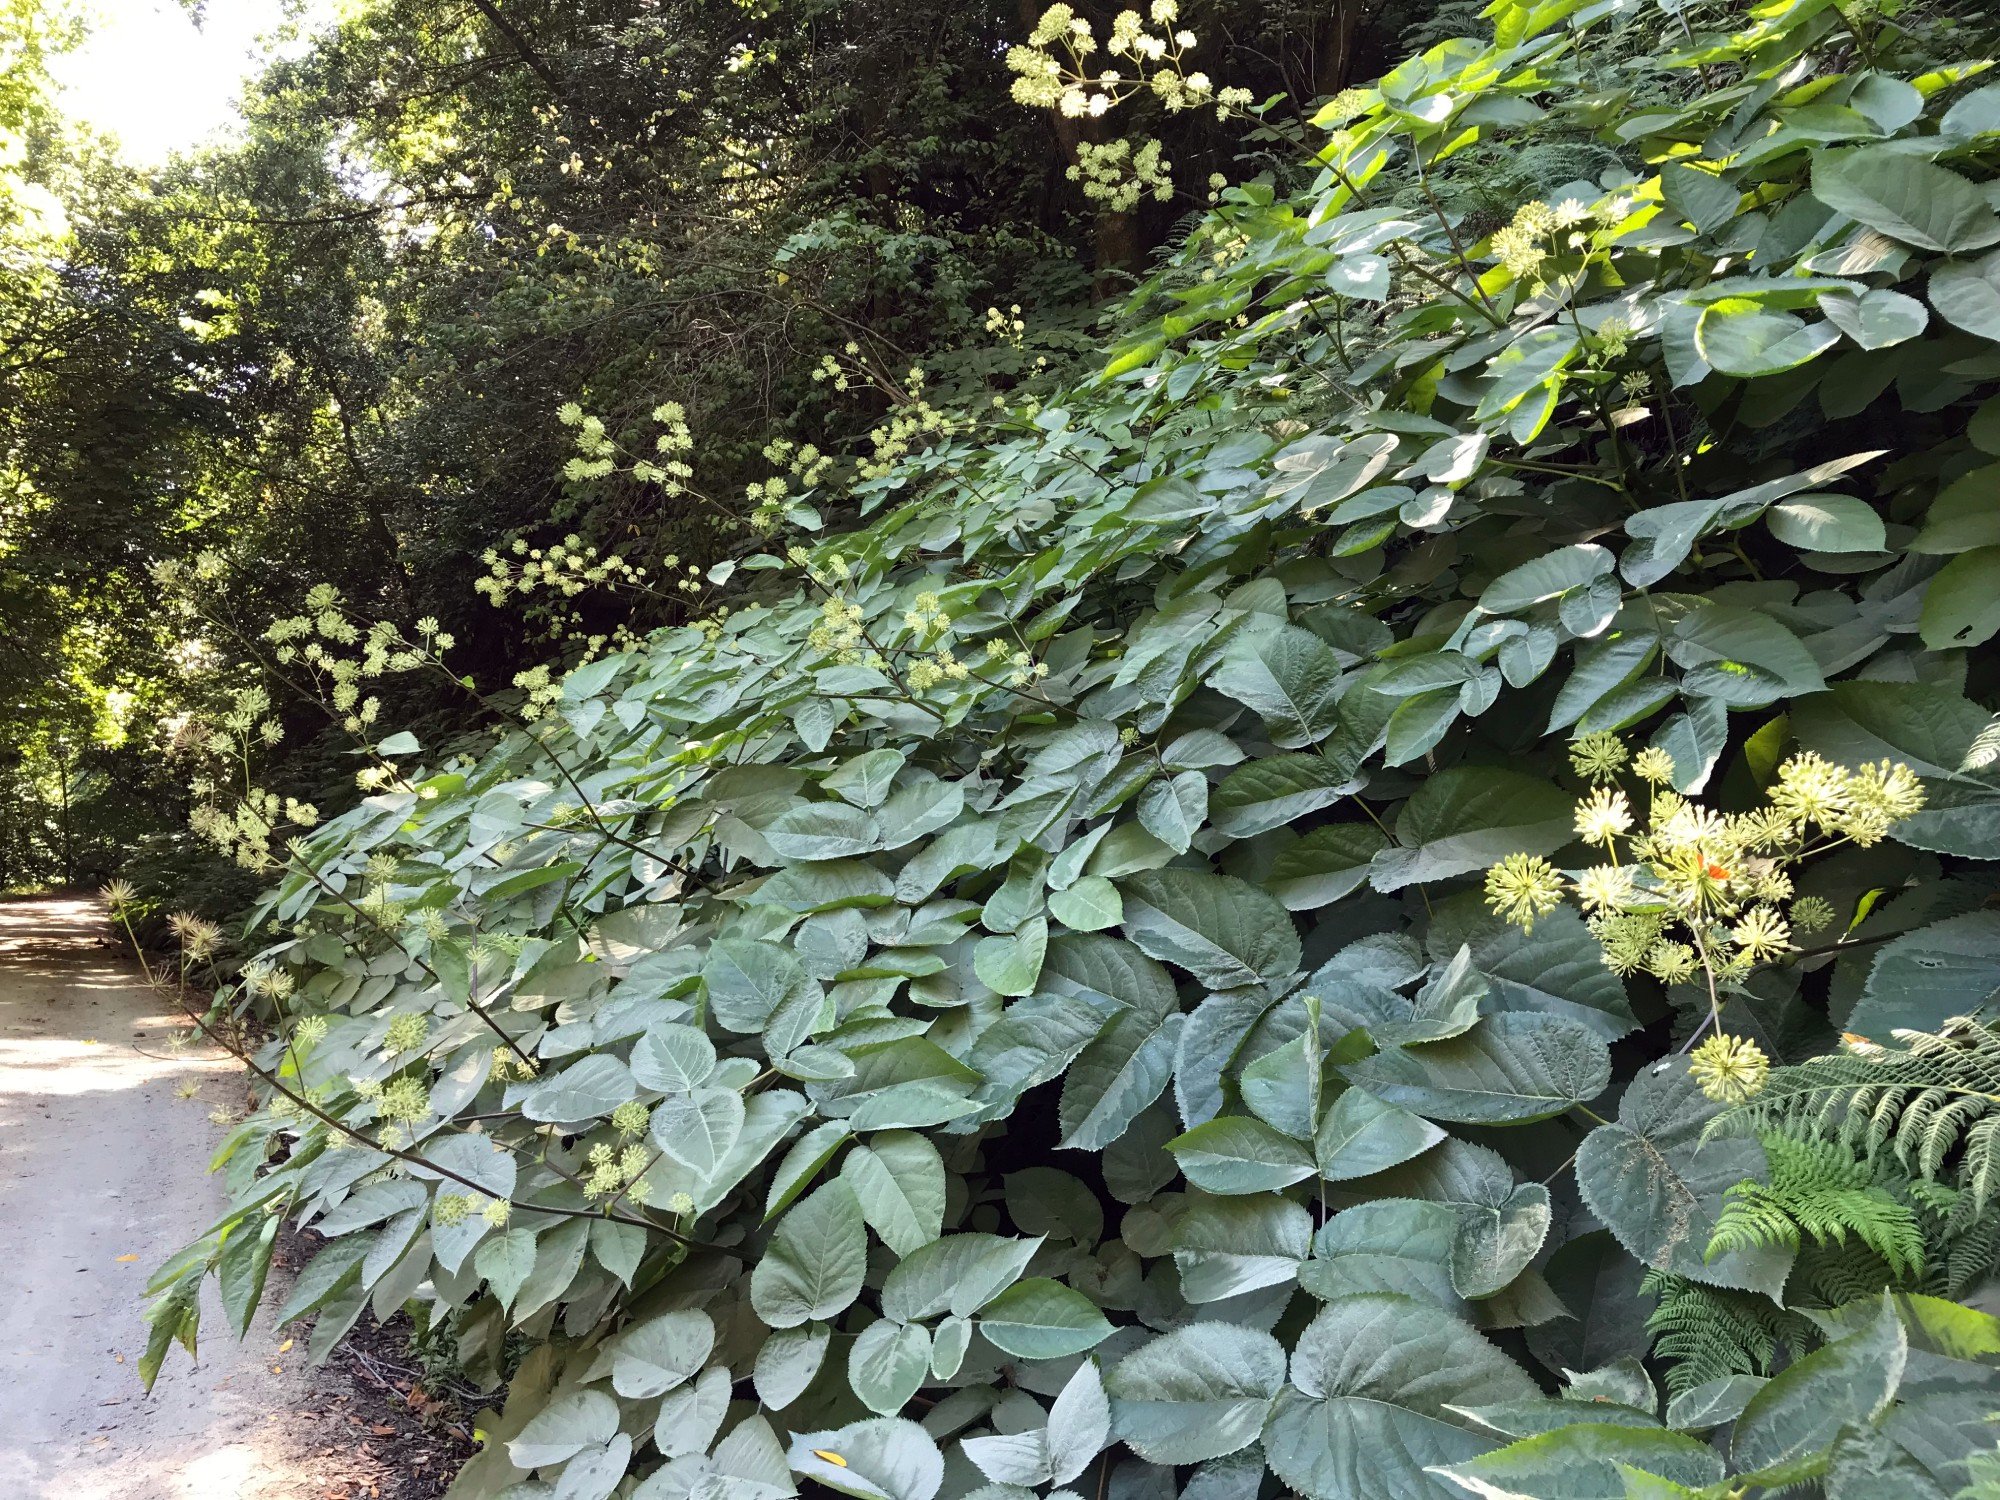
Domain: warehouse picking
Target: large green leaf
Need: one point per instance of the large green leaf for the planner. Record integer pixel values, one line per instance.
(814, 1264)
(1511, 1068)
(822, 830)
(1963, 516)
(1664, 534)
(564, 1428)
(1875, 319)
(1123, 1070)
(1042, 1319)
(1558, 969)
(587, 1089)
(1826, 523)
(651, 1358)
(1967, 295)
(1227, 1246)
(1361, 1134)
(888, 1363)
(886, 1458)
(672, 1058)
(898, 1179)
(1010, 963)
(1741, 336)
(1742, 657)
(699, 1130)
(789, 1362)
(1599, 1285)
(1324, 865)
(1371, 1409)
(1656, 1185)
(1468, 818)
(1923, 978)
(1962, 604)
(1288, 675)
(1546, 577)
(1586, 1462)
(1235, 1154)
(1398, 1245)
(761, 987)
(1195, 1394)
(1277, 790)
(1495, 1241)
(1788, 1426)
(1906, 198)
(959, 1273)
(1224, 931)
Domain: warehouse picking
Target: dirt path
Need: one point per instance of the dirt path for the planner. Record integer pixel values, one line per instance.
(104, 1143)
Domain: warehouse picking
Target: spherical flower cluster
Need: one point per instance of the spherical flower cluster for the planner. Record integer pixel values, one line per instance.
(910, 426)
(1523, 887)
(1695, 890)
(1025, 669)
(1761, 934)
(565, 569)
(406, 1033)
(1009, 326)
(1729, 1069)
(508, 1065)
(1604, 888)
(839, 632)
(199, 938)
(927, 672)
(1603, 816)
(631, 1118)
(404, 1101)
(1523, 244)
(1117, 176)
(1052, 69)
(1654, 766)
(926, 617)
(613, 1171)
(540, 690)
(1598, 757)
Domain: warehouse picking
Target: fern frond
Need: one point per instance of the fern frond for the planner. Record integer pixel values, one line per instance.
(1835, 1275)
(1819, 1193)
(1982, 1473)
(1969, 1260)
(1705, 1332)
(1931, 1103)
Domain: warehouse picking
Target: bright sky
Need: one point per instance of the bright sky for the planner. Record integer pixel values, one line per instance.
(150, 77)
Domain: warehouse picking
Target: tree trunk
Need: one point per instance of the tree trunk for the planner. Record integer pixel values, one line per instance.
(62, 814)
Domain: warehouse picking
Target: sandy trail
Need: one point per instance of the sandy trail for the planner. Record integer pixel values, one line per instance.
(104, 1146)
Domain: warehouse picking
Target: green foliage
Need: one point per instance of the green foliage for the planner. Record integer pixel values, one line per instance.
(1927, 1103)
(1022, 961)
(1711, 1333)
(1819, 1193)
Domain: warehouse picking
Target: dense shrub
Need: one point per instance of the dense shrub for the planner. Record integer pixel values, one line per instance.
(1011, 1002)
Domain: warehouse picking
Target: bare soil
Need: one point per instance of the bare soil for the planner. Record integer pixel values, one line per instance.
(108, 1118)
